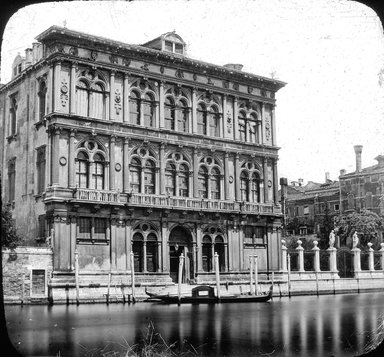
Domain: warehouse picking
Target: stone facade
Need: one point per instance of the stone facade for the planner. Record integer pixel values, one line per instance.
(26, 273)
(111, 148)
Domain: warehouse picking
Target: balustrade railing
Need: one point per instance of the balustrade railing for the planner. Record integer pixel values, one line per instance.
(138, 199)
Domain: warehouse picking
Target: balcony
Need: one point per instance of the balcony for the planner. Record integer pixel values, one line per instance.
(169, 202)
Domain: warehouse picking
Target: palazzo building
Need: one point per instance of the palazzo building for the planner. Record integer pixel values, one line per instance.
(111, 148)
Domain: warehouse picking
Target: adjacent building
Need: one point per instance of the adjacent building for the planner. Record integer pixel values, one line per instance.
(111, 148)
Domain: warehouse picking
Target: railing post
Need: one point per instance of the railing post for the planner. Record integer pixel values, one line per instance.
(332, 259)
(300, 250)
(283, 256)
(133, 276)
(181, 265)
(77, 275)
(217, 273)
(316, 259)
(382, 256)
(371, 262)
(356, 260)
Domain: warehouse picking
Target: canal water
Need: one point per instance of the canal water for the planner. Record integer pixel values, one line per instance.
(334, 325)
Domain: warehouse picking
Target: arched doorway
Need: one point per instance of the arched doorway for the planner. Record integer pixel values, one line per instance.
(180, 241)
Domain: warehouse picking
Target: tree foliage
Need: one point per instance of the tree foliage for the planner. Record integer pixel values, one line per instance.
(365, 223)
(9, 237)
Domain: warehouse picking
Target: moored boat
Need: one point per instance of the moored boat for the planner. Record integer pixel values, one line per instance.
(203, 294)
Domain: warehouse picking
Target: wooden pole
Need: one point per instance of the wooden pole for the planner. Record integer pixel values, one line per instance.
(133, 276)
(251, 263)
(289, 274)
(22, 288)
(77, 276)
(109, 287)
(217, 273)
(256, 275)
(180, 277)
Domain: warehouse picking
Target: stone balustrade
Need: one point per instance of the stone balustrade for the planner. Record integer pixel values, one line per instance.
(161, 201)
(331, 252)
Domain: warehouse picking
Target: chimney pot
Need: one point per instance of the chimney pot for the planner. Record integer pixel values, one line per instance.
(358, 149)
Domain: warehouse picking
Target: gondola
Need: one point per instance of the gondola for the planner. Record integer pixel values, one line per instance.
(203, 294)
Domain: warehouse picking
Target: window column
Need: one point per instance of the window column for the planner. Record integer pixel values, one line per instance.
(195, 174)
(145, 255)
(265, 175)
(126, 187)
(223, 123)
(162, 168)
(72, 102)
(55, 156)
(161, 104)
(237, 178)
(71, 159)
(111, 89)
(126, 98)
(49, 159)
(226, 175)
(275, 185)
(112, 163)
(262, 123)
(273, 124)
(50, 90)
(236, 119)
(194, 112)
(199, 249)
(56, 91)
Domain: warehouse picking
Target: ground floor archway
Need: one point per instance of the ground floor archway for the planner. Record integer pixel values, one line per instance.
(180, 241)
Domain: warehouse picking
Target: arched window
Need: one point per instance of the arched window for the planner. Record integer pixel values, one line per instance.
(82, 100)
(207, 253)
(42, 99)
(138, 252)
(183, 178)
(98, 172)
(242, 126)
(134, 108)
(151, 252)
(214, 122)
(244, 186)
(201, 119)
(149, 177)
(169, 113)
(182, 117)
(252, 129)
(255, 188)
(215, 183)
(82, 169)
(98, 105)
(203, 182)
(170, 179)
(135, 175)
(220, 250)
(149, 107)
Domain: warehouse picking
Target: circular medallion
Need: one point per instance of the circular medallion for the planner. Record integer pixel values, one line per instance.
(117, 167)
(63, 161)
(230, 179)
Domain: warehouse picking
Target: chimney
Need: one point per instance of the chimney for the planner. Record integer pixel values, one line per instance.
(300, 180)
(28, 57)
(235, 66)
(327, 177)
(342, 172)
(358, 150)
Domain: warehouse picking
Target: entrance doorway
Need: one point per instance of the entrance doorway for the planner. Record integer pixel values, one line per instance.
(180, 241)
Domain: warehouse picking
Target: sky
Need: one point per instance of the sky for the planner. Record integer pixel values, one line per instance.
(330, 54)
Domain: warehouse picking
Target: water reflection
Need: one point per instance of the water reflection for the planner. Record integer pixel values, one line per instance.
(301, 326)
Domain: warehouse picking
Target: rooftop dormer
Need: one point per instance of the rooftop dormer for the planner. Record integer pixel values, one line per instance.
(168, 42)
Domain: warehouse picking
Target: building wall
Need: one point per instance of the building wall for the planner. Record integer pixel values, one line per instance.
(88, 105)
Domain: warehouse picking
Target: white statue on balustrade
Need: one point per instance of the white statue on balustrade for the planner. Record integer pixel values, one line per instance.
(332, 239)
(355, 240)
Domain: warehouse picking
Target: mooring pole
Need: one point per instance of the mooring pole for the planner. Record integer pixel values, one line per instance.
(180, 277)
(256, 274)
(251, 263)
(109, 286)
(22, 288)
(77, 275)
(133, 276)
(289, 273)
(217, 273)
